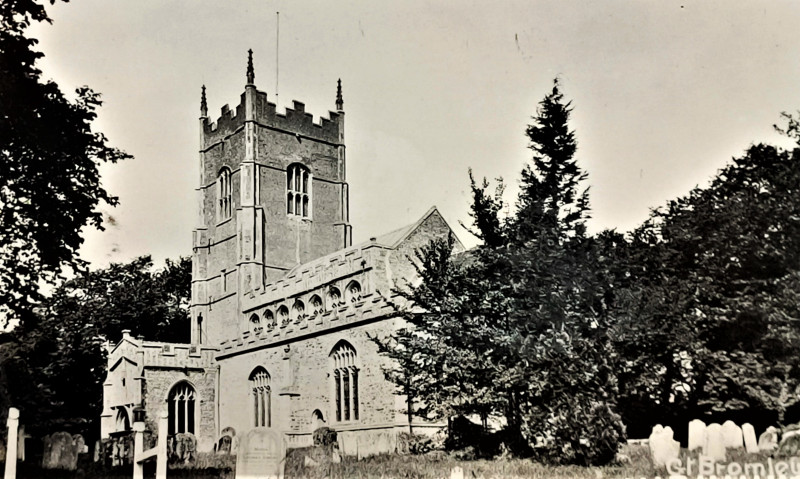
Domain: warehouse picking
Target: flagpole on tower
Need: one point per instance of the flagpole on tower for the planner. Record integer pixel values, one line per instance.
(277, 51)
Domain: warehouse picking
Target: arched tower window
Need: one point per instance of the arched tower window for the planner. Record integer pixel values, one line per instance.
(353, 292)
(262, 397)
(224, 196)
(298, 191)
(315, 304)
(283, 315)
(255, 323)
(298, 311)
(334, 298)
(181, 408)
(345, 382)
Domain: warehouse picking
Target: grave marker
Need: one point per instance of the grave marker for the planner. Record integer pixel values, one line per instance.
(261, 454)
(749, 433)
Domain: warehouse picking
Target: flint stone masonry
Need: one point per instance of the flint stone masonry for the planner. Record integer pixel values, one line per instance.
(750, 442)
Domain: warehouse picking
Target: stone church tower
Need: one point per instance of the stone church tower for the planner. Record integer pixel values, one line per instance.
(272, 195)
(283, 304)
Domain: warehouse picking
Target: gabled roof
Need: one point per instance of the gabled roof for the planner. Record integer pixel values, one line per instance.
(393, 239)
(390, 240)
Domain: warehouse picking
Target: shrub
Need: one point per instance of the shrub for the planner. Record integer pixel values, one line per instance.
(325, 437)
(581, 432)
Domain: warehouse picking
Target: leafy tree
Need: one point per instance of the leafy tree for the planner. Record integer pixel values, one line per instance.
(63, 348)
(517, 326)
(711, 321)
(49, 182)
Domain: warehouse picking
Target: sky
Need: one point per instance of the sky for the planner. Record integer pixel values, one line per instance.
(664, 93)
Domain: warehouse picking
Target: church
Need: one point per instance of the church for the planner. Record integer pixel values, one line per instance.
(282, 304)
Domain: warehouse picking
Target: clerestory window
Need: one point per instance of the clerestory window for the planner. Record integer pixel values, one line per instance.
(298, 191)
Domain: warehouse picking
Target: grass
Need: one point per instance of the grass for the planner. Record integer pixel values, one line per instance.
(432, 465)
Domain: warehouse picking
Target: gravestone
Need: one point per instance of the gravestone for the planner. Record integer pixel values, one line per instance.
(768, 441)
(59, 452)
(224, 445)
(79, 444)
(662, 447)
(732, 435)
(262, 454)
(750, 442)
(714, 447)
(184, 448)
(697, 434)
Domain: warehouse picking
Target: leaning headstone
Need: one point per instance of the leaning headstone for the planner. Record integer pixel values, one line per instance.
(697, 434)
(732, 435)
(228, 431)
(749, 434)
(789, 446)
(714, 447)
(662, 447)
(262, 454)
(768, 440)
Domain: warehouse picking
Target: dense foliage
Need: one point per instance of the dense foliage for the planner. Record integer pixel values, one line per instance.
(49, 157)
(567, 336)
(55, 363)
(518, 327)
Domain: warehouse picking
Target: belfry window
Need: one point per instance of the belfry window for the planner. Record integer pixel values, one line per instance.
(345, 382)
(181, 408)
(224, 197)
(262, 397)
(298, 191)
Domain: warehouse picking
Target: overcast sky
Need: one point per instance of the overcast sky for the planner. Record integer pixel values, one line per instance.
(664, 94)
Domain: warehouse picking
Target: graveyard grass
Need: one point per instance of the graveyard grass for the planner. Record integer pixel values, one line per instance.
(388, 466)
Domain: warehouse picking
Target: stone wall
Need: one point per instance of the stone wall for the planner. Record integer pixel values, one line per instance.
(307, 378)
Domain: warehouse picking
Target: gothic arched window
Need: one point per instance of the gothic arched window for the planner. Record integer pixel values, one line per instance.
(255, 323)
(269, 319)
(353, 292)
(345, 382)
(298, 311)
(181, 404)
(283, 315)
(315, 304)
(262, 398)
(224, 196)
(334, 298)
(298, 191)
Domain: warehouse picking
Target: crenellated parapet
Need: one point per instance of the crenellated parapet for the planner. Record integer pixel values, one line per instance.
(294, 121)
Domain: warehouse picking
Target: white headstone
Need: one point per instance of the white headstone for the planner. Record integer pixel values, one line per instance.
(697, 434)
(732, 435)
(750, 442)
(662, 447)
(714, 447)
(261, 455)
(768, 441)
